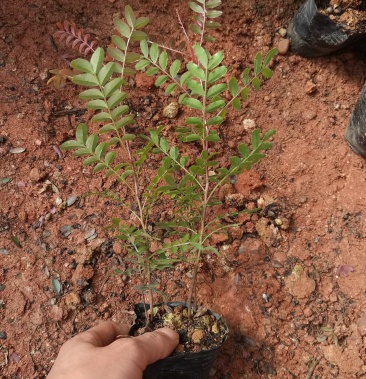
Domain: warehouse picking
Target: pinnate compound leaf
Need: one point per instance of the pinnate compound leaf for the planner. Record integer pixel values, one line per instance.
(116, 99)
(99, 167)
(245, 76)
(213, 13)
(267, 72)
(130, 16)
(122, 27)
(131, 57)
(116, 54)
(82, 65)
(269, 134)
(215, 60)
(195, 7)
(192, 138)
(233, 86)
(174, 153)
(195, 87)
(96, 104)
(257, 63)
(87, 80)
(161, 79)
(81, 152)
(163, 60)
(138, 35)
(101, 149)
(215, 105)
(105, 73)
(112, 86)
(71, 145)
(194, 121)
(81, 133)
(243, 150)
(141, 64)
(212, 3)
(101, 116)
(141, 22)
(201, 54)
(244, 93)
(256, 83)
(126, 174)
(255, 138)
(119, 42)
(154, 52)
(128, 137)
(192, 103)
(164, 145)
(154, 137)
(119, 111)
(109, 158)
(216, 74)
(151, 71)
(170, 88)
(212, 24)
(97, 59)
(184, 77)
(216, 90)
(269, 56)
(91, 94)
(208, 38)
(195, 29)
(215, 121)
(236, 104)
(128, 71)
(107, 128)
(144, 48)
(174, 68)
(213, 137)
(91, 142)
(196, 71)
(90, 160)
(130, 119)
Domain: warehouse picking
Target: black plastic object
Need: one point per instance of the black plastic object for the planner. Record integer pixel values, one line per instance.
(314, 34)
(356, 130)
(190, 365)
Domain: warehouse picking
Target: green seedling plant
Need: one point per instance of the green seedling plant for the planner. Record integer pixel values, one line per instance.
(188, 185)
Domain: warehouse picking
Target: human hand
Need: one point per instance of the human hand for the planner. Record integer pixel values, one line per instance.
(97, 354)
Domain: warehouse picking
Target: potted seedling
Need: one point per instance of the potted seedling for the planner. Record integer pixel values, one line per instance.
(150, 163)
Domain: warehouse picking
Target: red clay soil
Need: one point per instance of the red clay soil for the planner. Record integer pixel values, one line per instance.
(290, 281)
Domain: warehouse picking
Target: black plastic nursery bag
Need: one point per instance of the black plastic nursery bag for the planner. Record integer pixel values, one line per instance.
(356, 130)
(314, 34)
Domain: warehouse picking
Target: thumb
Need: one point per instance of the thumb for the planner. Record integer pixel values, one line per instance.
(155, 345)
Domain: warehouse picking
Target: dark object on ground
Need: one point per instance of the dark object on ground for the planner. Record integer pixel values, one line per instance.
(186, 365)
(356, 130)
(314, 34)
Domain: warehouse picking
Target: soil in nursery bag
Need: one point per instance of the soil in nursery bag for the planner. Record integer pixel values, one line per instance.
(322, 27)
(200, 338)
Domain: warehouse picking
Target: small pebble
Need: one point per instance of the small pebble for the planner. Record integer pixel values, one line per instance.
(71, 200)
(283, 46)
(310, 88)
(248, 124)
(34, 175)
(282, 32)
(337, 10)
(3, 336)
(171, 110)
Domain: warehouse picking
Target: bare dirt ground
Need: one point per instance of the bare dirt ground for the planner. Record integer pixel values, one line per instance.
(293, 294)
